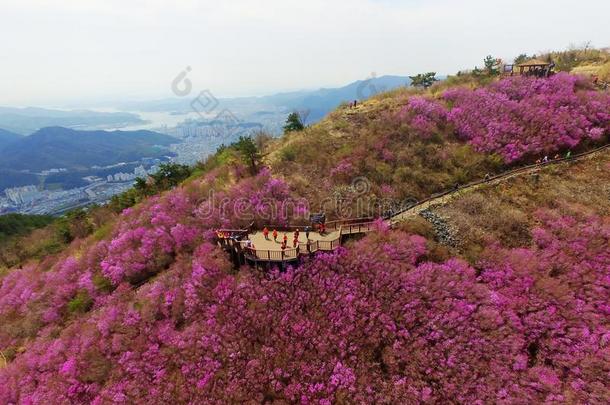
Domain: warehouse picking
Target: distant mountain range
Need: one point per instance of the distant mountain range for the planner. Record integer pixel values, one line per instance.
(316, 104)
(7, 137)
(27, 120)
(57, 147)
(313, 104)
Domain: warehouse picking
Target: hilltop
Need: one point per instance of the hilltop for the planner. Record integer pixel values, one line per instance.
(313, 104)
(56, 147)
(498, 294)
(7, 137)
(24, 121)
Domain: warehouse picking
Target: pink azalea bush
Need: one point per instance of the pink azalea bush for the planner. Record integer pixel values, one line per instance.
(521, 116)
(425, 116)
(155, 312)
(147, 240)
(344, 169)
(371, 323)
(516, 116)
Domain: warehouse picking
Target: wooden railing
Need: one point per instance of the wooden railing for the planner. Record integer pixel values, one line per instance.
(363, 225)
(345, 227)
(493, 178)
(357, 228)
(337, 225)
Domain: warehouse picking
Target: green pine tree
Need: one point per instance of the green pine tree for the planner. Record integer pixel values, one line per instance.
(424, 80)
(294, 123)
(249, 151)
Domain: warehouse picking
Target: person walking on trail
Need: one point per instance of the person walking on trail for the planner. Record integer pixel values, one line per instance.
(569, 154)
(285, 239)
(295, 242)
(266, 233)
(545, 159)
(275, 235)
(307, 229)
(296, 234)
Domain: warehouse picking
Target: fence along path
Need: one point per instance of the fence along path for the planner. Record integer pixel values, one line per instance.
(365, 225)
(332, 240)
(443, 197)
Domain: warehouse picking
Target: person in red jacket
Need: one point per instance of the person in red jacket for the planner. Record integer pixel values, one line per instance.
(295, 242)
(266, 233)
(285, 239)
(275, 235)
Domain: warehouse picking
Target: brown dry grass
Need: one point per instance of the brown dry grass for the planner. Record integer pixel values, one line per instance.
(381, 148)
(506, 212)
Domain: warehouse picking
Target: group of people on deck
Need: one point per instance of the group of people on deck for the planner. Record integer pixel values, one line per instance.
(284, 244)
(295, 239)
(249, 245)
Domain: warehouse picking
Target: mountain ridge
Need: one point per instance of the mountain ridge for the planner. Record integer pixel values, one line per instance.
(59, 147)
(27, 120)
(496, 296)
(7, 137)
(315, 103)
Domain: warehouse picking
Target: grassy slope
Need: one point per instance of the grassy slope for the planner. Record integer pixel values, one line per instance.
(422, 168)
(507, 212)
(363, 136)
(305, 159)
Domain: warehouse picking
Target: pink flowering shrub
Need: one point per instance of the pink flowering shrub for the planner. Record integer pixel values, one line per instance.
(521, 116)
(516, 116)
(147, 240)
(156, 313)
(425, 116)
(371, 323)
(344, 169)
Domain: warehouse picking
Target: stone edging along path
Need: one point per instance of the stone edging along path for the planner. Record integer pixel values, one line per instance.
(364, 226)
(444, 197)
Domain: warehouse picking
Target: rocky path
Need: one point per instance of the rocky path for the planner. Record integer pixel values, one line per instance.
(425, 206)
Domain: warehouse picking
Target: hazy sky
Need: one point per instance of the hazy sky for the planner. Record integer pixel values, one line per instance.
(56, 51)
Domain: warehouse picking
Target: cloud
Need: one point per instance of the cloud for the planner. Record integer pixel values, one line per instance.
(62, 50)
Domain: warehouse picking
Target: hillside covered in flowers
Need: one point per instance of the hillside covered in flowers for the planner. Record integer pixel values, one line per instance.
(149, 309)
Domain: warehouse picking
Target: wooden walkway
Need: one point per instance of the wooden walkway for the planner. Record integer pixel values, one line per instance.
(269, 251)
(443, 197)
